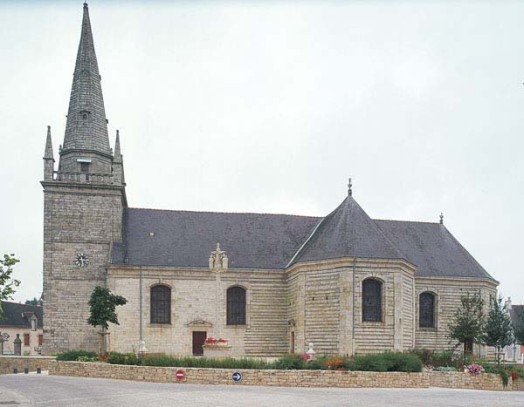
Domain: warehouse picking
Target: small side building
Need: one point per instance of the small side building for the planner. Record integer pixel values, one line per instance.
(515, 351)
(22, 321)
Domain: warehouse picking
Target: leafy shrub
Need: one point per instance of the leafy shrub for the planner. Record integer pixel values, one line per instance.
(88, 359)
(500, 370)
(402, 362)
(442, 358)
(316, 364)
(447, 358)
(74, 355)
(290, 361)
(335, 362)
(445, 369)
(371, 362)
(519, 371)
(116, 358)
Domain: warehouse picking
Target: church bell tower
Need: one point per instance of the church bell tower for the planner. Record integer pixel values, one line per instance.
(84, 200)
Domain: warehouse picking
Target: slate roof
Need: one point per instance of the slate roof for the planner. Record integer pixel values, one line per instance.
(431, 248)
(266, 241)
(347, 232)
(14, 314)
(185, 239)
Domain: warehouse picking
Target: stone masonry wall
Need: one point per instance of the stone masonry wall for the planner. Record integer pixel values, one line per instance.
(325, 306)
(459, 380)
(283, 378)
(448, 293)
(198, 303)
(8, 363)
(393, 332)
(78, 218)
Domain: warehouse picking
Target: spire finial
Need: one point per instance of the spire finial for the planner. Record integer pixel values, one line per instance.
(441, 218)
(350, 187)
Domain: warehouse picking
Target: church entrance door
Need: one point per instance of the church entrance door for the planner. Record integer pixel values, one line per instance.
(199, 338)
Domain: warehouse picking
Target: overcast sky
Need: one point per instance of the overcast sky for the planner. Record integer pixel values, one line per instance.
(270, 106)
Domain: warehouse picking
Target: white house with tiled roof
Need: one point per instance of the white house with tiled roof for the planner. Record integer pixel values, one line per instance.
(266, 284)
(22, 323)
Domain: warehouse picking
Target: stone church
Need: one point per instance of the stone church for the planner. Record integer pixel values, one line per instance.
(267, 284)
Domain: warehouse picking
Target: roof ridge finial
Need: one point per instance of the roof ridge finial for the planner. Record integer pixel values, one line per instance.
(350, 187)
(441, 218)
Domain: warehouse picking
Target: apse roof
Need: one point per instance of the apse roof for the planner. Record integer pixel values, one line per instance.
(347, 232)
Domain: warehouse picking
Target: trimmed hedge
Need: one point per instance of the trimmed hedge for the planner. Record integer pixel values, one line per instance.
(379, 362)
(75, 355)
(203, 362)
(386, 362)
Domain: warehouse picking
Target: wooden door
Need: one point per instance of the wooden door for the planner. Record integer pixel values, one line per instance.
(199, 338)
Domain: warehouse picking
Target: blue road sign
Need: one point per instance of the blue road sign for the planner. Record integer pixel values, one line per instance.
(237, 377)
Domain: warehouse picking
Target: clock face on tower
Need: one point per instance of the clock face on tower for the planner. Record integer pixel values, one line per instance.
(81, 260)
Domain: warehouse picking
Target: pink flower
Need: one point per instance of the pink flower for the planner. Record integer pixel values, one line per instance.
(475, 368)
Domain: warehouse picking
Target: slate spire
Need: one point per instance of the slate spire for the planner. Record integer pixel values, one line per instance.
(86, 128)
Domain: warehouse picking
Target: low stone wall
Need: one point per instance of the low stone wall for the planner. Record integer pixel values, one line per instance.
(518, 384)
(283, 378)
(286, 378)
(9, 363)
(459, 380)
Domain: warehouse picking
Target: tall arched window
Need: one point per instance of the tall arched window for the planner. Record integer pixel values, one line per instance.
(236, 306)
(160, 304)
(372, 300)
(426, 310)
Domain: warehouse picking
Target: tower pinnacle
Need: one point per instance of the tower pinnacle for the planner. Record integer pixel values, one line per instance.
(49, 159)
(48, 154)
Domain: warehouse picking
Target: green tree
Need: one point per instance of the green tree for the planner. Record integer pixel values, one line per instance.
(497, 330)
(102, 305)
(34, 301)
(518, 327)
(7, 283)
(467, 324)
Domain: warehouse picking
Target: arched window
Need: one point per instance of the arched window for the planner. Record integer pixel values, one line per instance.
(236, 306)
(426, 310)
(160, 304)
(371, 300)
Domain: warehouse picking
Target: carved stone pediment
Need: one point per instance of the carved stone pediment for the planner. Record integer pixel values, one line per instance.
(199, 323)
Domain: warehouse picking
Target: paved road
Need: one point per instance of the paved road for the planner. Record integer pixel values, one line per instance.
(57, 391)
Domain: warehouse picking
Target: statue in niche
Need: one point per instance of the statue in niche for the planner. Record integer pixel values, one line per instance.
(218, 260)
